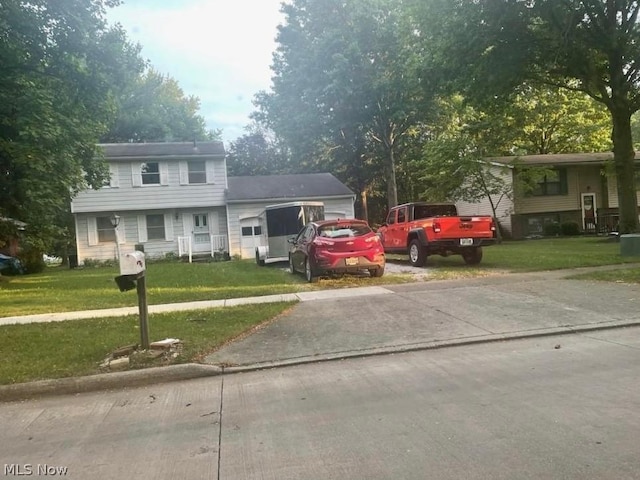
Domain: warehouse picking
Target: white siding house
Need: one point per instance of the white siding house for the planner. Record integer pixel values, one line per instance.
(161, 192)
(170, 197)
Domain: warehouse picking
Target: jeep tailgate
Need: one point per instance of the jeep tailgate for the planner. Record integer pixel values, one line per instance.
(463, 227)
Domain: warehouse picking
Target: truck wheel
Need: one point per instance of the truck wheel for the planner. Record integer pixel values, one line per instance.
(259, 260)
(309, 274)
(472, 256)
(291, 267)
(417, 254)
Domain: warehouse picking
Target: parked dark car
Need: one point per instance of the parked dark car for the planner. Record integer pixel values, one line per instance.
(336, 247)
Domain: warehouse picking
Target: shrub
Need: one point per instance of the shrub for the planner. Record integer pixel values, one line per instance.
(32, 260)
(92, 262)
(570, 228)
(551, 230)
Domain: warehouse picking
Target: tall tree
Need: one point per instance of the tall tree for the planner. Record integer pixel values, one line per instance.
(345, 79)
(454, 164)
(489, 47)
(154, 108)
(61, 66)
(257, 153)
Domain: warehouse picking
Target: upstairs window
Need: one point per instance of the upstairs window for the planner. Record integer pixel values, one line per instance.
(197, 172)
(151, 173)
(554, 183)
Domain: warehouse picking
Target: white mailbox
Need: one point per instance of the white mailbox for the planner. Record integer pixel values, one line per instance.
(132, 263)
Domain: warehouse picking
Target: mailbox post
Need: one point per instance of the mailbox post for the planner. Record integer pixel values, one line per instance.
(132, 275)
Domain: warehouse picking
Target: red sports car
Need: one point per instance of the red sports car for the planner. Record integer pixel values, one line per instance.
(336, 246)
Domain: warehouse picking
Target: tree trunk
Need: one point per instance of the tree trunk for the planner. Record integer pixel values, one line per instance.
(365, 207)
(390, 173)
(624, 161)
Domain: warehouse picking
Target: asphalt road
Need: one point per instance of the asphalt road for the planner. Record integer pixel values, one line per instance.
(560, 407)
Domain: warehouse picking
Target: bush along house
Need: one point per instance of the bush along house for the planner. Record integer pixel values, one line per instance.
(176, 199)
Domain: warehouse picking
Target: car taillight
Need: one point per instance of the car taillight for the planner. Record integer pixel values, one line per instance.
(323, 242)
(374, 239)
(493, 225)
(436, 227)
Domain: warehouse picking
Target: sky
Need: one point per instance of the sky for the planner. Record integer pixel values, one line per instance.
(217, 50)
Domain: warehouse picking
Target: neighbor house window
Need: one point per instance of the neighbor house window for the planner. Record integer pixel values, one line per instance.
(155, 227)
(197, 172)
(106, 232)
(151, 173)
(553, 183)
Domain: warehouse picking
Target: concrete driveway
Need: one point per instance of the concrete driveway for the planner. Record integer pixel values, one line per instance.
(435, 314)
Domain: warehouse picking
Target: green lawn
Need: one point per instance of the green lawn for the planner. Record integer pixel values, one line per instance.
(77, 347)
(72, 348)
(59, 289)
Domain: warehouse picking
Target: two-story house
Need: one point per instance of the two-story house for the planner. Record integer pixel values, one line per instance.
(169, 197)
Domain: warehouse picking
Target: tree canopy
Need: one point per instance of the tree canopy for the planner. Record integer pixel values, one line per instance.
(345, 86)
(487, 48)
(153, 108)
(61, 67)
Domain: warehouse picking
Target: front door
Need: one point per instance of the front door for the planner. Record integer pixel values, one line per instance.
(201, 237)
(589, 212)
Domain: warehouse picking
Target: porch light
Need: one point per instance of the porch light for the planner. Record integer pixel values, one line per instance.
(115, 220)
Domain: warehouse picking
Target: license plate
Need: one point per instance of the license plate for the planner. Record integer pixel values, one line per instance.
(351, 260)
(466, 242)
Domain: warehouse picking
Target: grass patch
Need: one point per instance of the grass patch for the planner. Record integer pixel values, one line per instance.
(59, 289)
(77, 347)
(538, 255)
(62, 290)
(628, 275)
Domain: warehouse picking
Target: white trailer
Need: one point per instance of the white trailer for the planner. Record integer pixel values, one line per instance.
(281, 222)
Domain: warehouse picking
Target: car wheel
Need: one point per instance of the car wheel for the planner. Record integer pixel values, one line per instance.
(259, 260)
(291, 267)
(376, 272)
(417, 253)
(472, 256)
(309, 274)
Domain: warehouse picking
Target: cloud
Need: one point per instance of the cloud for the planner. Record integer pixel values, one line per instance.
(219, 51)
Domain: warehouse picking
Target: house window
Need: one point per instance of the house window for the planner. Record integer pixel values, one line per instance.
(197, 172)
(151, 173)
(155, 227)
(106, 232)
(248, 231)
(553, 183)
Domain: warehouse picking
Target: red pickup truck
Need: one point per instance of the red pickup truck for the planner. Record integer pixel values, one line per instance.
(422, 229)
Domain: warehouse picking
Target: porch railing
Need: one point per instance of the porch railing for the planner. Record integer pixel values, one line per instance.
(218, 243)
(608, 222)
(184, 247)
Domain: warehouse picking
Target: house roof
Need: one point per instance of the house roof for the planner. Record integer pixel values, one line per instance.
(114, 151)
(281, 187)
(558, 159)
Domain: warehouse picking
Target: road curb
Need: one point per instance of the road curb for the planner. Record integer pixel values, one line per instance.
(430, 345)
(106, 381)
(172, 373)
